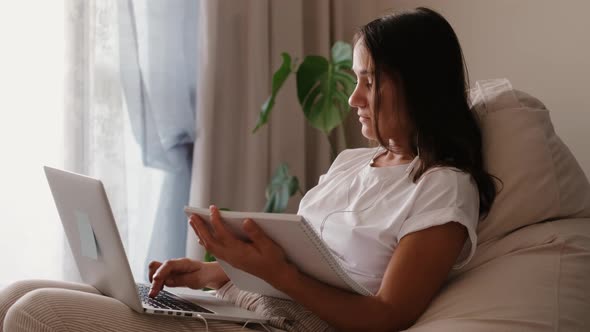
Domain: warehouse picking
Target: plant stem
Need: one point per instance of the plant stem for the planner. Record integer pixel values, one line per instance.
(333, 149)
(343, 135)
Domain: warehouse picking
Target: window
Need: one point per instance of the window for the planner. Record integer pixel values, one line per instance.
(31, 135)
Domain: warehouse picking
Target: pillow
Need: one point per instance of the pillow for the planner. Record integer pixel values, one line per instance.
(541, 179)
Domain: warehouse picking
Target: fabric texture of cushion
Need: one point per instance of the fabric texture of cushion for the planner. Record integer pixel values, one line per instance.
(534, 279)
(541, 179)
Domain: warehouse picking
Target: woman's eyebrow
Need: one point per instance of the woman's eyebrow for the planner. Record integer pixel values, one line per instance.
(363, 72)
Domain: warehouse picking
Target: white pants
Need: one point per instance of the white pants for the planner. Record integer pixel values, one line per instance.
(49, 306)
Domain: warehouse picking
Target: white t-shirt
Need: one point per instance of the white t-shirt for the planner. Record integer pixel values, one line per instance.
(362, 212)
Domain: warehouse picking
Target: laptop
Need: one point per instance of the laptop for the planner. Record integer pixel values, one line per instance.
(93, 236)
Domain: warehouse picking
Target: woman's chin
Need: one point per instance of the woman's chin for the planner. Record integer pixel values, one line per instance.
(367, 132)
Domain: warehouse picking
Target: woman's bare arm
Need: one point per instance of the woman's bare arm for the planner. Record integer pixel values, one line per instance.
(418, 268)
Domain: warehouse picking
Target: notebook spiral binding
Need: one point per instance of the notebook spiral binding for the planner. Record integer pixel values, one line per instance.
(332, 262)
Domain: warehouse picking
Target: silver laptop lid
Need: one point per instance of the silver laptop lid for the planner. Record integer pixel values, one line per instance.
(93, 236)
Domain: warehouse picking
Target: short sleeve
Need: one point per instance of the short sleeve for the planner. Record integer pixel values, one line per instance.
(445, 195)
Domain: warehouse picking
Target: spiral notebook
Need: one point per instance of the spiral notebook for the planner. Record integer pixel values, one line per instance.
(303, 247)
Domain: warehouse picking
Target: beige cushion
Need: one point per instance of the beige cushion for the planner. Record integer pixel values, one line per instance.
(541, 178)
(534, 279)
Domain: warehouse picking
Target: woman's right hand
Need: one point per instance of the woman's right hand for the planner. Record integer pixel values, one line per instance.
(185, 272)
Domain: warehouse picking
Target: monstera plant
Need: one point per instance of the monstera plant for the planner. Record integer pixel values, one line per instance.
(323, 88)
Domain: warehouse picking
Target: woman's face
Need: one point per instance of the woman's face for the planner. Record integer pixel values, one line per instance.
(392, 120)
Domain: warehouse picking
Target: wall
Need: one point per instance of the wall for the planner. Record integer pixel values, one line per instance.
(542, 46)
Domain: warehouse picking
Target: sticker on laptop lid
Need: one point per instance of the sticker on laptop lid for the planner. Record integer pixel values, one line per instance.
(88, 245)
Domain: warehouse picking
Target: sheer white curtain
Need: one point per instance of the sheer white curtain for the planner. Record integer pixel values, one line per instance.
(31, 135)
(99, 141)
(62, 103)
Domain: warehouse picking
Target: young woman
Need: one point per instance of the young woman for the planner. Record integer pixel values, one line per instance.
(398, 217)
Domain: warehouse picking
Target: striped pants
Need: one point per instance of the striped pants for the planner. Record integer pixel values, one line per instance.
(50, 306)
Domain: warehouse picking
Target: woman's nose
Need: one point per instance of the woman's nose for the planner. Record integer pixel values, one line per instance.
(356, 99)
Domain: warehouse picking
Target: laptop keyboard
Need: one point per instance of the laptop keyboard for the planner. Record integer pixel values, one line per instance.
(167, 300)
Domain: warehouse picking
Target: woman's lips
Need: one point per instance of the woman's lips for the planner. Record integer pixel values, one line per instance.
(364, 119)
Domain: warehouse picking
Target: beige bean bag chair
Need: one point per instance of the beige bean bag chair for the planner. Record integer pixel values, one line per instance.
(531, 271)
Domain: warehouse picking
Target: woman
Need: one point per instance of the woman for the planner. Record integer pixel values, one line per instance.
(398, 217)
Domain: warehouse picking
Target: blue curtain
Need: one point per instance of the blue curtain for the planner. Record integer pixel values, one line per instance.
(158, 45)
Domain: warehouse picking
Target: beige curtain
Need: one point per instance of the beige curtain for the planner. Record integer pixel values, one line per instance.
(241, 43)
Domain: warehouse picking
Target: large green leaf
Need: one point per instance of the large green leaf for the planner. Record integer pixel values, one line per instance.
(208, 257)
(281, 187)
(323, 87)
(342, 54)
(309, 73)
(279, 77)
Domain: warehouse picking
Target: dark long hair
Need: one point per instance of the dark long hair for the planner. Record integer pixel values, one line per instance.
(420, 52)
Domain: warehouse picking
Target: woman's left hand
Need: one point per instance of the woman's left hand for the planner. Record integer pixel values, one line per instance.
(261, 256)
